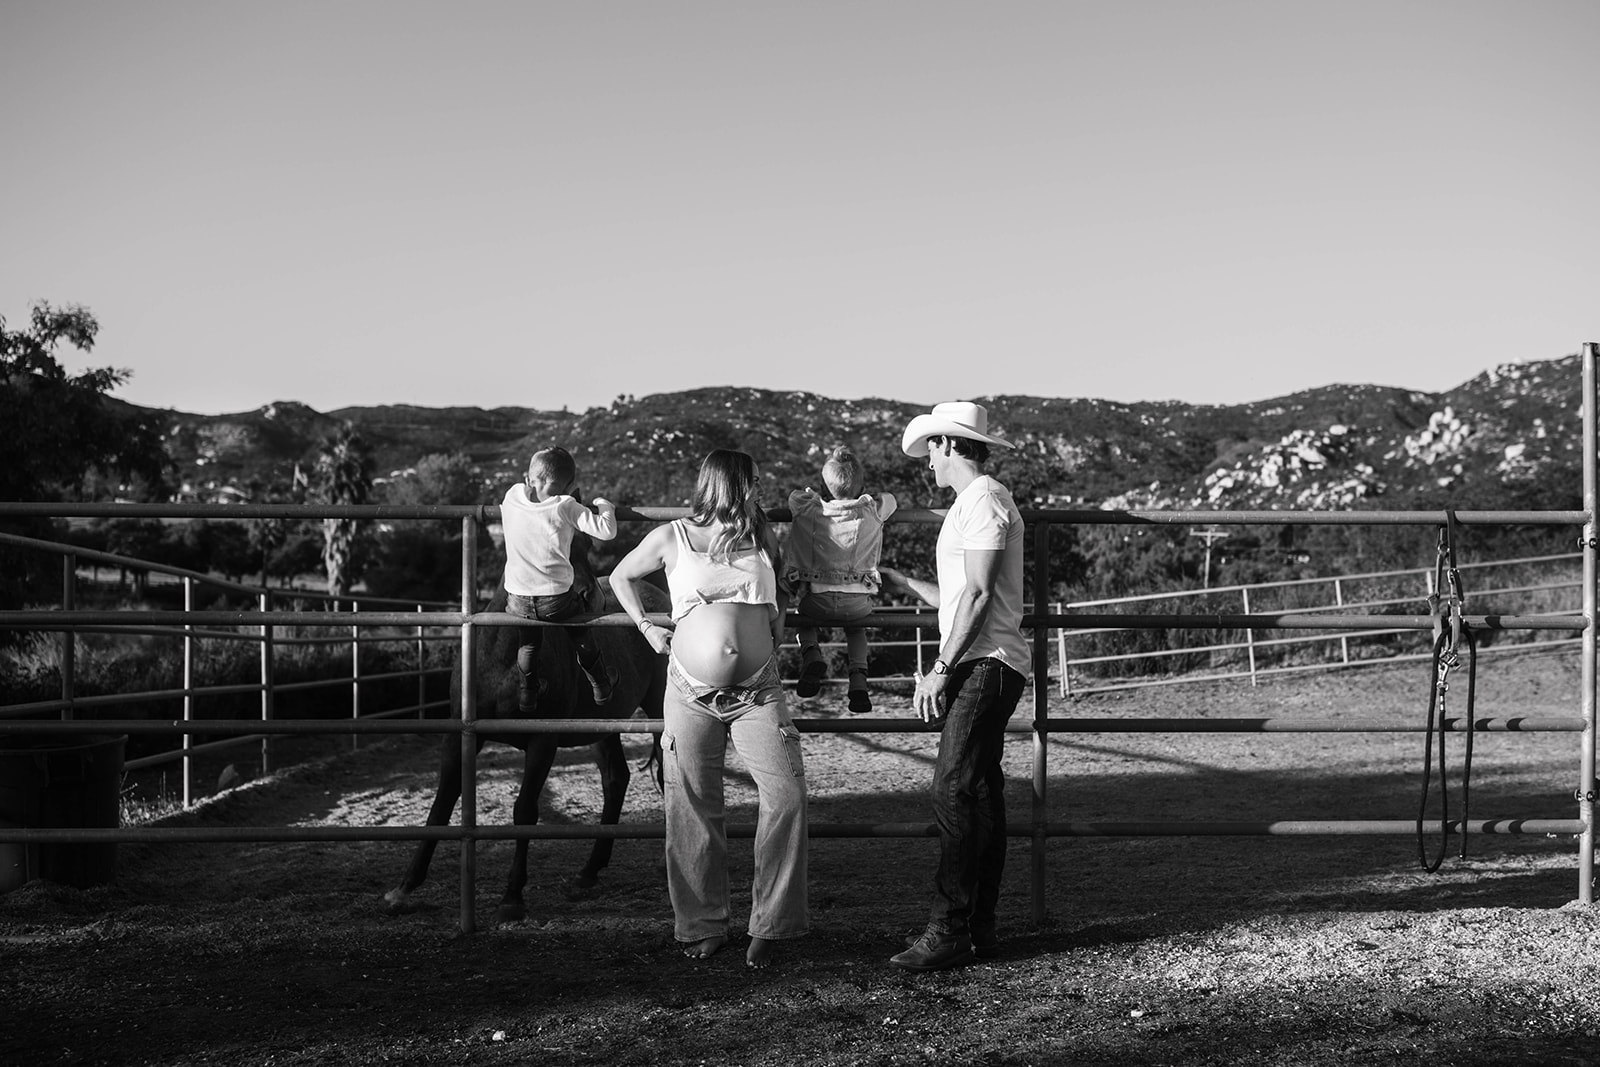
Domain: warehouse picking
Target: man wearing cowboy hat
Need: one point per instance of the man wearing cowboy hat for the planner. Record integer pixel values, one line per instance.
(973, 687)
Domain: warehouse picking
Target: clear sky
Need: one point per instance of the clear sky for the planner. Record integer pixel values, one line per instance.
(551, 204)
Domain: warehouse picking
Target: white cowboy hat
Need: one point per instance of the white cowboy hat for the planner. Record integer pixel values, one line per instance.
(957, 418)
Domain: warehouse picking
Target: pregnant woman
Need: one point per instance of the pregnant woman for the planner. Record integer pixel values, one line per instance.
(722, 564)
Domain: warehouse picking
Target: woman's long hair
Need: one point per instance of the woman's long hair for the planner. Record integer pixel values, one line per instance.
(727, 497)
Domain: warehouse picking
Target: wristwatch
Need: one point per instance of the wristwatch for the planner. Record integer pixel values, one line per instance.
(939, 667)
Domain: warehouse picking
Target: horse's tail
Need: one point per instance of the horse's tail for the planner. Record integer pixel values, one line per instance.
(650, 708)
(653, 766)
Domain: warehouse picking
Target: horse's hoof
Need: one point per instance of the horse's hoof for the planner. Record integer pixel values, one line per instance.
(582, 886)
(401, 902)
(511, 911)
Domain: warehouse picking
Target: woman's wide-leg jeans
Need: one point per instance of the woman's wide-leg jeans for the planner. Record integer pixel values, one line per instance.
(699, 722)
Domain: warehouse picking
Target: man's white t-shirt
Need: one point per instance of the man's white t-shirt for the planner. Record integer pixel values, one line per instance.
(984, 518)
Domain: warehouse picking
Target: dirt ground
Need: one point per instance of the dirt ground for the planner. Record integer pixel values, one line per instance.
(1154, 950)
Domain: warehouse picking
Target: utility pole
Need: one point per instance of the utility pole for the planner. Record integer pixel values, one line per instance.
(1209, 535)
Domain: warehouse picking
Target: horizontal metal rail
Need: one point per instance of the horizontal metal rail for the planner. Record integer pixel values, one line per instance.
(1285, 620)
(647, 831)
(1347, 579)
(256, 734)
(112, 559)
(485, 513)
(1201, 676)
(103, 700)
(855, 724)
(189, 751)
(364, 639)
(1299, 620)
(1306, 827)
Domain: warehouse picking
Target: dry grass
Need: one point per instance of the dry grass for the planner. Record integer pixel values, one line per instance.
(1203, 950)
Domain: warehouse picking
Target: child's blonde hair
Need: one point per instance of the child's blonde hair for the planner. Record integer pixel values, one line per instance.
(842, 473)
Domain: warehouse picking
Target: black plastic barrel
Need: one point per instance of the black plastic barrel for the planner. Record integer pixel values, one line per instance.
(54, 782)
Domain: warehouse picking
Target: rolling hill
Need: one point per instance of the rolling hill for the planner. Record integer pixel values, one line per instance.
(1507, 437)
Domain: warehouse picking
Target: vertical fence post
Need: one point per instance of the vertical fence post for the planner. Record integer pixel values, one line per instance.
(469, 780)
(469, 564)
(355, 673)
(1338, 600)
(267, 710)
(1059, 608)
(69, 643)
(1041, 712)
(188, 692)
(1249, 634)
(469, 726)
(1591, 596)
(422, 664)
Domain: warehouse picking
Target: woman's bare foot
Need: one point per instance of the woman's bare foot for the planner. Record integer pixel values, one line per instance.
(761, 954)
(703, 949)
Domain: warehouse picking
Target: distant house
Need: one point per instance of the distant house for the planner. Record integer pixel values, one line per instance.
(210, 493)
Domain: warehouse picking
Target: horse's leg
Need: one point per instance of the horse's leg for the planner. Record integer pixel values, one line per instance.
(614, 774)
(535, 770)
(444, 803)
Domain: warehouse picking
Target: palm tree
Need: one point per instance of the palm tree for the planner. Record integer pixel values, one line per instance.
(343, 476)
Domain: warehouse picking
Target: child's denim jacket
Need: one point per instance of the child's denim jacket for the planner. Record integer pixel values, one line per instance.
(836, 542)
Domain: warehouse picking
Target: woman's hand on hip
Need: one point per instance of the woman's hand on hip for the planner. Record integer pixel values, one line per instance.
(659, 638)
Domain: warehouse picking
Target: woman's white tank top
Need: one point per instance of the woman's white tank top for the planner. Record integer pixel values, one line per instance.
(748, 577)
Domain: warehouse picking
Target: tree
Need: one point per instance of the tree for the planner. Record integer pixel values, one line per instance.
(419, 557)
(144, 539)
(222, 546)
(416, 562)
(269, 537)
(1132, 560)
(343, 476)
(59, 428)
(60, 434)
(438, 478)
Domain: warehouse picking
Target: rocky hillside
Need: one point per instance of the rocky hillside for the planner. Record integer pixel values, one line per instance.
(1508, 437)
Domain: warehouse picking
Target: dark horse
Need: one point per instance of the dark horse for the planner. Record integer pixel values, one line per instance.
(563, 694)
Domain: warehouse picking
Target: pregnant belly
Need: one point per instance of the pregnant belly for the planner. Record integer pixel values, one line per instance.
(723, 644)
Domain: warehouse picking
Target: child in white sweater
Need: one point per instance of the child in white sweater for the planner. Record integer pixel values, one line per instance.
(540, 516)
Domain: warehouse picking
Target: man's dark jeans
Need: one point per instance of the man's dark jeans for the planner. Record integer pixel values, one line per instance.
(969, 795)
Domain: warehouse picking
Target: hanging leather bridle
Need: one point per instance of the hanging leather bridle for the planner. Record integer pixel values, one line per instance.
(1449, 631)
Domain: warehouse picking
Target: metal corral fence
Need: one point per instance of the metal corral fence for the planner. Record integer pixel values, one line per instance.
(1542, 584)
(1532, 584)
(1446, 618)
(413, 636)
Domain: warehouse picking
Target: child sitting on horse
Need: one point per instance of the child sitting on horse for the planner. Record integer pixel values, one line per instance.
(540, 516)
(832, 565)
